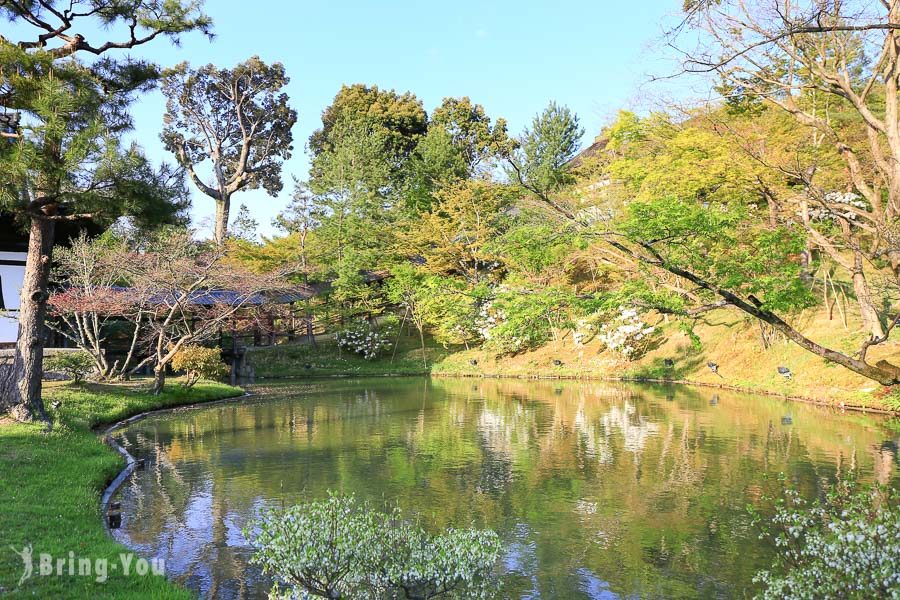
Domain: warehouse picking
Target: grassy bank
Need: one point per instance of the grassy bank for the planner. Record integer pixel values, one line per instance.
(734, 342)
(726, 338)
(50, 486)
(327, 360)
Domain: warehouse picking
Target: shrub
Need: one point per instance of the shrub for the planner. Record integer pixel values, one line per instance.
(517, 321)
(198, 362)
(627, 335)
(342, 548)
(361, 338)
(76, 364)
(845, 546)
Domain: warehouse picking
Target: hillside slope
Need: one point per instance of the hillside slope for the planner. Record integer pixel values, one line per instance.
(727, 338)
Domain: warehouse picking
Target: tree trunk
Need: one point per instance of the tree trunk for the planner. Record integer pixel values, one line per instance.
(223, 207)
(422, 339)
(29, 361)
(867, 308)
(159, 379)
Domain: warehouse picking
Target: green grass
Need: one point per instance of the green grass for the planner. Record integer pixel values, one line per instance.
(327, 360)
(50, 487)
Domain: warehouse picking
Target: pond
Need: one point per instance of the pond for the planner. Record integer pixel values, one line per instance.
(598, 490)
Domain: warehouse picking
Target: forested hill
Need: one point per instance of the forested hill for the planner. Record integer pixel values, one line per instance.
(668, 233)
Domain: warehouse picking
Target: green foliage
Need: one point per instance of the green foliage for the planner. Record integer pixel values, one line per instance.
(539, 162)
(77, 365)
(343, 548)
(535, 252)
(367, 135)
(451, 308)
(198, 101)
(454, 237)
(244, 226)
(846, 545)
(71, 153)
(517, 321)
(726, 244)
(471, 133)
(199, 362)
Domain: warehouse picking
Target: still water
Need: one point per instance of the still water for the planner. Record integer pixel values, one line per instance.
(598, 490)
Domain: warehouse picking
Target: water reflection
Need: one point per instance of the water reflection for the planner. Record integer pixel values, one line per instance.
(599, 490)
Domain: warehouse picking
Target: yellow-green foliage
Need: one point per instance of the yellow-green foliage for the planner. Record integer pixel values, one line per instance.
(199, 362)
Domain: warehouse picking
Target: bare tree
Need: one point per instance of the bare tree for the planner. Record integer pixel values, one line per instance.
(90, 302)
(237, 120)
(791, 53)
(192, 293)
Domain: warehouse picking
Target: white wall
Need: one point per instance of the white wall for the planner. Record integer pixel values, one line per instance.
(12, 271)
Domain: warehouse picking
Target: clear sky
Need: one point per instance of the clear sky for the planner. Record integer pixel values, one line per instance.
(512, 57)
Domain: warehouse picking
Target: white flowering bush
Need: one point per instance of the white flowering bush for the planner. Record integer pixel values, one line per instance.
(846, 546)
(361, 338)
(626, 334)
(834, 207)
(342, 548)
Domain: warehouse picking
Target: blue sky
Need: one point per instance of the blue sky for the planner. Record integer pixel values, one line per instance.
(511, 57)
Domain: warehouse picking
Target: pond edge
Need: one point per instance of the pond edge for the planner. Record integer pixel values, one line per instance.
(131, 464)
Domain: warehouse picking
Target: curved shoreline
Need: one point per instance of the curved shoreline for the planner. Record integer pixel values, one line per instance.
(131, 463)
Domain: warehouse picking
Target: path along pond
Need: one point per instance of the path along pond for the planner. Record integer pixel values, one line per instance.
(598, 490)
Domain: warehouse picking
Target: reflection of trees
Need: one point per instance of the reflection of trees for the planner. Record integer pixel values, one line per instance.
(608, 480)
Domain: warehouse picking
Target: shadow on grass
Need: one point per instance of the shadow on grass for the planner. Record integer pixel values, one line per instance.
(686, 360)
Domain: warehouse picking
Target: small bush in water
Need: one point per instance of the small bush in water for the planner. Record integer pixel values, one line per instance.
(845, 546)
(343, 548)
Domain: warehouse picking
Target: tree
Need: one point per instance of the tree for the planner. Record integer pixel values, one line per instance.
(455, 235)
(730, 259)
(406, 289)
(471, 132)
(237, 120)
(826, 65)
(193, 293)
(65, 162)
(397, 120)
(244, 226)
(461, 143)
(539, 163)
(342, 547)
(199, 362)
(89, 302)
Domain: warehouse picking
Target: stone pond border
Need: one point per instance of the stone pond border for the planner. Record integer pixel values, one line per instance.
(131, 463)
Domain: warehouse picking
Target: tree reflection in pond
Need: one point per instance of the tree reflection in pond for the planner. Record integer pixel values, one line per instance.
(598, 490)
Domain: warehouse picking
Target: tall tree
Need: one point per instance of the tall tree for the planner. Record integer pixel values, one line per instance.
(826, 64)
(366, 138)
(66, 162)
(539, 163)
(471, 132)
(235, 121)
(461, 143)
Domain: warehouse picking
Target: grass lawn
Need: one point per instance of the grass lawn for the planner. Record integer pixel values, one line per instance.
(50, 487)
(327, 360)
